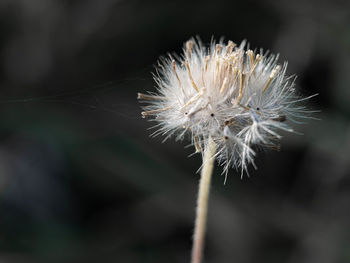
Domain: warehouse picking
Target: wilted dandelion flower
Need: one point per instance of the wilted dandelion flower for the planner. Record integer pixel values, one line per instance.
(235, 96)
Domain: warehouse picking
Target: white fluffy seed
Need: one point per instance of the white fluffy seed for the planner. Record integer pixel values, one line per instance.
(235, 96)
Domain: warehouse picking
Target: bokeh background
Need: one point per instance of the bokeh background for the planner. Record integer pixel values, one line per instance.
(80, 179)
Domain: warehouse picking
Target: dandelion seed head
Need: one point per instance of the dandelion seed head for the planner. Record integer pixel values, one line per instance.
(238, 97)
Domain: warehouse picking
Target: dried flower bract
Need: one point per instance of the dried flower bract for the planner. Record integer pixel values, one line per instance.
(236, 96)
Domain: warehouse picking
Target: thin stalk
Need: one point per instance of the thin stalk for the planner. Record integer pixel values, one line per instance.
(202, 201)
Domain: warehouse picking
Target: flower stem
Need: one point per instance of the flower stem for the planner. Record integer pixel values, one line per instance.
(202, 201)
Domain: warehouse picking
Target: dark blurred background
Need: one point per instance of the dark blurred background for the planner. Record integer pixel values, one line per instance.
(80, 179)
